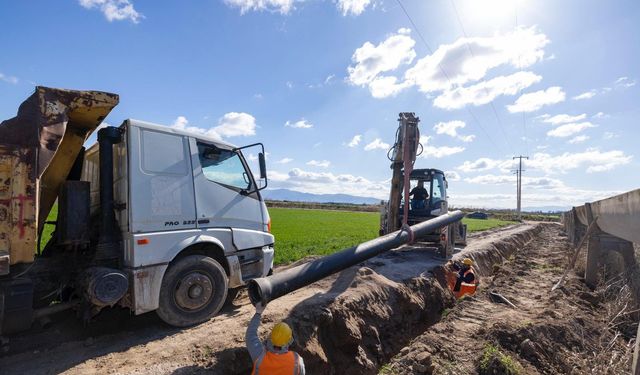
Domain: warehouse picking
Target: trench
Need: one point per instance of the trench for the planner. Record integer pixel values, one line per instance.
(379, 313)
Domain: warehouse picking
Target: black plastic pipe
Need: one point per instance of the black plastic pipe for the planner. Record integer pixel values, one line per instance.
(107, 137)
(266, 289)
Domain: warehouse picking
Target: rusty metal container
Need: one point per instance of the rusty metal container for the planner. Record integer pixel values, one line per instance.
(38, 148)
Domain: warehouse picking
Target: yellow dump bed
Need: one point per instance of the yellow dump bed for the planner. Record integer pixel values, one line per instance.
(37, 150)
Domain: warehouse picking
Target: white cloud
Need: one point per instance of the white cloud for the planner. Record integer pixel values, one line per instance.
(624, 82)
(437, 152)
(585, 95)
(319, 163)
(535, 100)
(371, 60)
(609, 135)
(578, 139)
(9, 79)
(180, 123)
(235, 124)
(485, 91)
(481, 164)
(114, 10)
(533, 182)
(567, 130)
(563, 118)
(520, 48)
(450, 128)
(352, 7)
(593, 160)
(452, 175)
(559, 196)
(328, 183)
(284, 161)
(232, 124)
(376, 144)
(300, 124)
(450, 67)
(355, 140)
(280, 6)
(600, 115)
(385, 86)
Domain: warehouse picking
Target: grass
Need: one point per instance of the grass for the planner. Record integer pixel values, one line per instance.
(506, 365)
(478, 225)
(47, 232)
(301, 232)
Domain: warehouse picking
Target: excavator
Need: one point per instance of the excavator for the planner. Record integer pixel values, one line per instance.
(401, 211)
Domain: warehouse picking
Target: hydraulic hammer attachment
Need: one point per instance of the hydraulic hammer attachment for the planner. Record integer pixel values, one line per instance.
(38, 148)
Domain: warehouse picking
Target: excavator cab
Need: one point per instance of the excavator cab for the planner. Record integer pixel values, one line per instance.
(434, 204)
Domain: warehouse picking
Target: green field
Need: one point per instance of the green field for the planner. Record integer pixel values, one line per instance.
(48, 228)
(300, 233)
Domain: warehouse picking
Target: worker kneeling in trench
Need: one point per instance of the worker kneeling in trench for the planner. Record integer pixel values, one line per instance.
(462, 279)
(273, 356)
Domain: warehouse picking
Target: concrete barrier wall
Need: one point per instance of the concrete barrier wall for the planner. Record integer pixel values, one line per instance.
(611, 245)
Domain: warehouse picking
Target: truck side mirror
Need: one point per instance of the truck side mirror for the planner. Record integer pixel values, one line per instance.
(263, 166)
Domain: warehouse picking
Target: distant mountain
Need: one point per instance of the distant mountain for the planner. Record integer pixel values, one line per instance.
(297, 196)
(546, 209)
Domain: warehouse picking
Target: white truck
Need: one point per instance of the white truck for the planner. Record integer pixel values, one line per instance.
(150, 217)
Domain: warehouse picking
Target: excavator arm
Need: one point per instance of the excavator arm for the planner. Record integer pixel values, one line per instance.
(402, 155)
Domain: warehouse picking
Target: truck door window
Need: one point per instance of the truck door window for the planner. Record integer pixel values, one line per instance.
(164, 153)
(223, 166)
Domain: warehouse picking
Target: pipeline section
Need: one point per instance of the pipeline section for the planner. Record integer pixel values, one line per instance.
(266, 289)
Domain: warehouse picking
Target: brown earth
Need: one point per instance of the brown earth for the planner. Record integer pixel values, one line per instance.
(569, 331)
(354, 322)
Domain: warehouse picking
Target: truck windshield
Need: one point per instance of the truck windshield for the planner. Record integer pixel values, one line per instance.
(223, 166)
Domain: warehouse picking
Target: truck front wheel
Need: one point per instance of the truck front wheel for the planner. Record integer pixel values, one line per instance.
(193, 290)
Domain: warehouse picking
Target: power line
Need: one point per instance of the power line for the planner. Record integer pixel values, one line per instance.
(424, 41)
(524, 119)
(486, 91)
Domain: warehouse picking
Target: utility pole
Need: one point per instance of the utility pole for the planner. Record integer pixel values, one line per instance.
(519, 183)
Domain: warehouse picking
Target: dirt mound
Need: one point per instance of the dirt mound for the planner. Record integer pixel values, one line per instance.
(565, 331)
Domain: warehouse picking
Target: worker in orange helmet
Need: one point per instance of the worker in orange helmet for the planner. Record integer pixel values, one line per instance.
(467, 281)
(272, 357)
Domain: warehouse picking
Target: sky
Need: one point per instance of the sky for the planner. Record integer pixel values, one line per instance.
(321, 83)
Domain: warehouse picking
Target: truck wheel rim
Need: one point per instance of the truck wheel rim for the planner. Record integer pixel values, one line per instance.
(194, 291)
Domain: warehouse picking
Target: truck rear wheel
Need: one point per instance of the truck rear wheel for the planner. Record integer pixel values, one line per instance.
(193, 290)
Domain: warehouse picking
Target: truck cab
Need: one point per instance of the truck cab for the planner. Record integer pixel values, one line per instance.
(192, 220)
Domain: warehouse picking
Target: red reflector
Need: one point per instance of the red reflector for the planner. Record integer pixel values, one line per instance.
(143, 241)
(443, 237)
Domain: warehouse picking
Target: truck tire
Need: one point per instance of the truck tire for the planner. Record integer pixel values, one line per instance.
(193, 290)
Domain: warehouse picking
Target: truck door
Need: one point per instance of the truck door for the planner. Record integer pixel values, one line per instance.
(222, 180)
(161, 184)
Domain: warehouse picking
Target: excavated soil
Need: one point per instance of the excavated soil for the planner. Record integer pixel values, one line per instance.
(382, 315)
(567, 331)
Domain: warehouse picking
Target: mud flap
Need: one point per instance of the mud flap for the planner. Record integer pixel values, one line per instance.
(16, 305)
